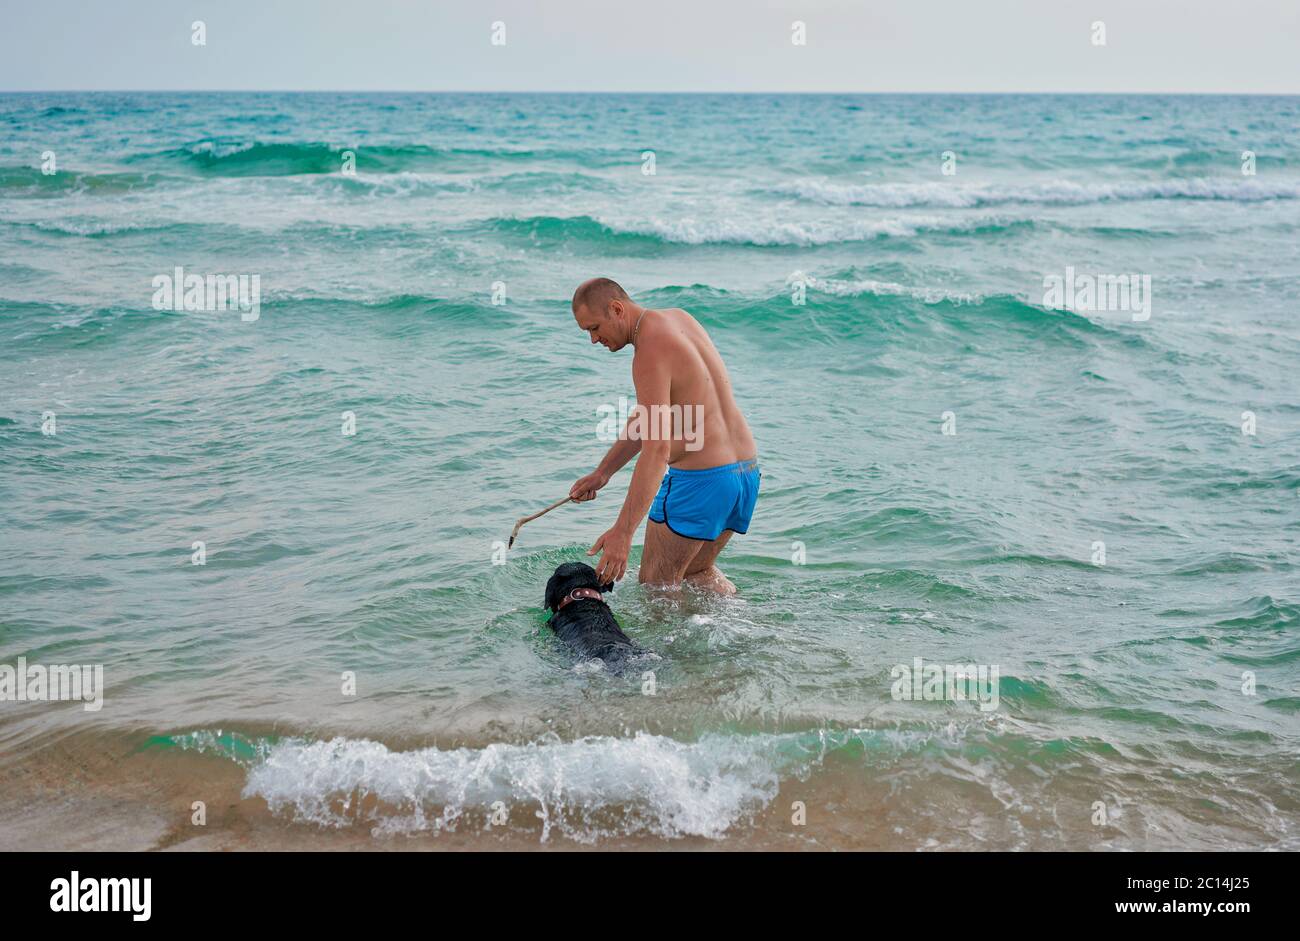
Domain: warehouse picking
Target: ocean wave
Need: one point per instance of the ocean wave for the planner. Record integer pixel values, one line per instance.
(753, 232)
(1266, 614)
(602, 787)
(99, 228)
(1184, 158)
(62, 325)
(416, 183)
(840, 287)
(1220, 563)
(217, 157)
(31, 182)
(250, 158)
(844, 308)
(969, 196)
(585, 789)
(850, 307)
(768, 234)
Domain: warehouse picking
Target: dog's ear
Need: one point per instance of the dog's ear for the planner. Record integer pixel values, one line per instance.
(608, 586)
(553, 592)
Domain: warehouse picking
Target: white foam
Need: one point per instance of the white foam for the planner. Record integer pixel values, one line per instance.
(857, 288)
(585, 789)
(219, 150)
(1063, 192)
(751, 230)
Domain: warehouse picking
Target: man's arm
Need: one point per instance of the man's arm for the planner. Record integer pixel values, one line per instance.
(624, 449)
(653, 378)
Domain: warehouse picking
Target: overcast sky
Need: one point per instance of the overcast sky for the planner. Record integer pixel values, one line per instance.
(654, 45)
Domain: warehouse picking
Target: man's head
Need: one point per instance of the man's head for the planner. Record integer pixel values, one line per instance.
(604, 310)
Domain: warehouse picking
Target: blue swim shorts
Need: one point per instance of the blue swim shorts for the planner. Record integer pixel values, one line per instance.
(700, 504)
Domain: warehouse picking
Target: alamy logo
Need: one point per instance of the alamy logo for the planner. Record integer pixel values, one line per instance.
(181, 292)
(1100, 292)
(36, 683)
(651, 423)
(102, 895)
(933, 682)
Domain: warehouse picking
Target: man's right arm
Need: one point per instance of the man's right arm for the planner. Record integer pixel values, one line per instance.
(623, 450)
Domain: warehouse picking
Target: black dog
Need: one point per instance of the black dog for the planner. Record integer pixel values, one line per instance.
(581, 618)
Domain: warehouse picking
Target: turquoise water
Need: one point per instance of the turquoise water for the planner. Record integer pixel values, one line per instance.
(374, 553)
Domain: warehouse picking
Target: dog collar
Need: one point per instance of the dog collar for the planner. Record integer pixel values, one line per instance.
(575, 595)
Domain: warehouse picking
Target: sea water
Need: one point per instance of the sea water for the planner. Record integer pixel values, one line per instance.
(1022, 371)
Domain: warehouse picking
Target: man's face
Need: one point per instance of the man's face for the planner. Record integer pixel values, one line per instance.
(601, 328)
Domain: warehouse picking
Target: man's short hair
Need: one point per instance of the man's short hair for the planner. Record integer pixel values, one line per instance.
(596, 295)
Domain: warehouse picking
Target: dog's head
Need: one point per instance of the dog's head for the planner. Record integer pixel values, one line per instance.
(569, 576)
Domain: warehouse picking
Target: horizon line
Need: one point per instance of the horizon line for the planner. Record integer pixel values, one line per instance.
(507, 91)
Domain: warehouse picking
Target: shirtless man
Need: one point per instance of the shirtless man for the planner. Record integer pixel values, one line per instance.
(711, 482)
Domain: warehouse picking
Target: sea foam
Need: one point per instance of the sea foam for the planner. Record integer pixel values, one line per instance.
(583, 789)
(966, 195)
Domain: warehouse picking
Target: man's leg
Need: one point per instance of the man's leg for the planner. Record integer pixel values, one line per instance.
(666, 555)
(702, 573)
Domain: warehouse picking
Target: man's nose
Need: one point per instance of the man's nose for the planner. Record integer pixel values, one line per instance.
(593, 338)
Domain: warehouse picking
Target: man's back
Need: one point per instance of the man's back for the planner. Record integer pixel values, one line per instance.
(699, 378)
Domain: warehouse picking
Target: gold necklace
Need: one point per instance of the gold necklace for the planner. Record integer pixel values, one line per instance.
(637, 328)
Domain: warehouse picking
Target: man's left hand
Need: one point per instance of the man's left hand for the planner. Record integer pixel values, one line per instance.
(617, 546)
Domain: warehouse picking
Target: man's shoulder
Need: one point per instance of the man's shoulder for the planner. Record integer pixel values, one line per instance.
(664, 334)
(669, 327)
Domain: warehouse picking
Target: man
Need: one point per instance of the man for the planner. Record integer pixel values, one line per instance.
(711, 484)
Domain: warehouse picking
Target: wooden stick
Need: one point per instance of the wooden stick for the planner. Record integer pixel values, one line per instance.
(528, 519)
